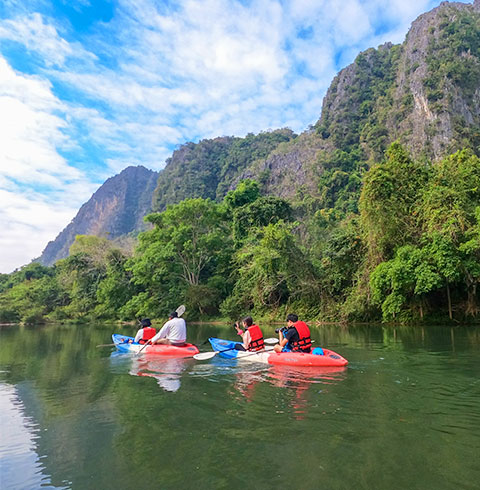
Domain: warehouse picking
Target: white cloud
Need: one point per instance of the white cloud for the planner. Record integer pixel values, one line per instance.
(41, 38)
(27, 223)
(31, 133)
(31, 130)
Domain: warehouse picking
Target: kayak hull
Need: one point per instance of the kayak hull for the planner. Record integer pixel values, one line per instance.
(268, 356)
(126, 344)
(328, 359)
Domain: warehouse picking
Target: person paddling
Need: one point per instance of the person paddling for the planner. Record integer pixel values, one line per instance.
(252, 336)
(294, 337)
(146, 332)
(173, 332)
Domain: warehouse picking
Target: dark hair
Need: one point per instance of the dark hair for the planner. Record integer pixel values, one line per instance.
(248, 321)
(146, 322)
(173, 314)
(291, 317)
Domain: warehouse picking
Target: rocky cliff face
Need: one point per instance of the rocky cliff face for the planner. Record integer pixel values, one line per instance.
(424, 92)
(115, 209)
(441, 69)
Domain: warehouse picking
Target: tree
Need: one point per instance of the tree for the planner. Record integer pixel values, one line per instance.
(470, 251)
(400, 284)
(189, 244)
(388, 203)
(449, 201)
(246, 192)
(337, 256)
(271, 270)
(31, 301)
(82, 272)
(261, 212)
(448, 215)
(116, 289)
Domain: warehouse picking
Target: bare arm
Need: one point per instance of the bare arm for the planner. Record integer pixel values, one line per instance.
(139, 335)
(246, 337)
(282, 342)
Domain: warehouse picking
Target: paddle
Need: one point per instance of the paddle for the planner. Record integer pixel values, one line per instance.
(180, 311)
(203, 356)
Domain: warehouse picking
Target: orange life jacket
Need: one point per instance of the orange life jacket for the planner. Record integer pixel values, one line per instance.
(148, 333)
(304, 342)
(256, 342)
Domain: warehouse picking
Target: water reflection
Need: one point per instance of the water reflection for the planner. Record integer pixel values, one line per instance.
(246, 381)
(297, 380)
(166, 371)
(18, 445)
(295, 383)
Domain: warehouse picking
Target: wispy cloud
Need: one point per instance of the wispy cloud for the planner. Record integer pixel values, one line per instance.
(28, 222)
(42, 38)
(78, 105)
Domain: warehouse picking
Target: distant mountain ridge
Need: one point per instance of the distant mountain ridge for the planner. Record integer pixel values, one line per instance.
(208, 168)
(114, 210)
(424, 92)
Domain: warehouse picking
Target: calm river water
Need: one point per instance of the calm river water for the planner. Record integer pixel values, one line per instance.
(405, 413)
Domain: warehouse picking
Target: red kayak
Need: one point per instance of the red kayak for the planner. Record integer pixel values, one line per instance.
(329, 358)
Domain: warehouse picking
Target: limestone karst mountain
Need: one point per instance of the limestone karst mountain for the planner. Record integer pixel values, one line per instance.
(116, 209)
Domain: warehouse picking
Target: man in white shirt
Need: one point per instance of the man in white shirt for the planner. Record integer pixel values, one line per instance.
(173, 332)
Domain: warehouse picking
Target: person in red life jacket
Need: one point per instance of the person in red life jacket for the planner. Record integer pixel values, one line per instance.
(252, 336)
(146, 332)
(294, 337)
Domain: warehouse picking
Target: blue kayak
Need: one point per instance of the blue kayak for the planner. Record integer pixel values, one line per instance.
(225, 345)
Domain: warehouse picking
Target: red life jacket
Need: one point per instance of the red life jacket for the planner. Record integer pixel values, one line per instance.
(148, 333)
(256, 336)
(304, 342)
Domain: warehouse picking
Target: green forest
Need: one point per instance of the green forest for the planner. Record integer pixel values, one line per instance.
(401, 243)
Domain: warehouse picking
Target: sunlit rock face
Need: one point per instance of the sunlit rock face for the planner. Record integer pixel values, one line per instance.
(116, 209)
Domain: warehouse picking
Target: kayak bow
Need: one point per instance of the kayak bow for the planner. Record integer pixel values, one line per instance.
(124, 343)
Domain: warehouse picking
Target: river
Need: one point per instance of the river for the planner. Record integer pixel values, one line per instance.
(404, 414)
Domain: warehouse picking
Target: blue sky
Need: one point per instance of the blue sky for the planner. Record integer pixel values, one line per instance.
(89, 87)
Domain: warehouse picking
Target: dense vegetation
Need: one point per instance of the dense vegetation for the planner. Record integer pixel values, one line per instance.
(411, 252)
(208, 168)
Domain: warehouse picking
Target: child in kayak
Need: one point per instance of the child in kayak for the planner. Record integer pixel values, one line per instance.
(252, 336)
(294, 337)
(146, 332)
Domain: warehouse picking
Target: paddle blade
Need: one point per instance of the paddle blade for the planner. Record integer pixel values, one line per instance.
(203, 356)
(180, 310)
(271, 341)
